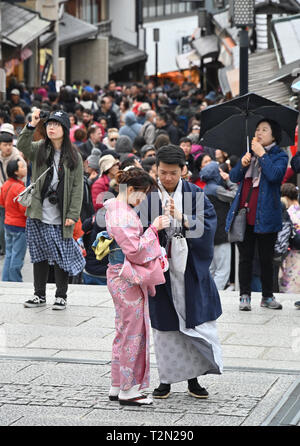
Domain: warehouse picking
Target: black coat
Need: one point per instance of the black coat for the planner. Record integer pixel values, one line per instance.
(87, 147)
(201, 295)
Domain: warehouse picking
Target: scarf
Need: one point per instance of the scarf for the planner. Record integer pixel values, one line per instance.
(177, 197)
(254, 170)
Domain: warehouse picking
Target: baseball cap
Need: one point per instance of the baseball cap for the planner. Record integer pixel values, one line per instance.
(60, 116)
(15, 91)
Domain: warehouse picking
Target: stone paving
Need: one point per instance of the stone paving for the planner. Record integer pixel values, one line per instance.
(55, 366)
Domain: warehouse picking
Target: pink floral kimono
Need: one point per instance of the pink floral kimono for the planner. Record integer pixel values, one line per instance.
(129, 284)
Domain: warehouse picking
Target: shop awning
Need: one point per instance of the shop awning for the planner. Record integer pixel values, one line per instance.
(206, 46)
(287, 32)
(72, 29)
(122, 54)
(21, 26)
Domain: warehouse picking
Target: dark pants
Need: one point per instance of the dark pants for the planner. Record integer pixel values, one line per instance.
(40, 275)
(265, 244)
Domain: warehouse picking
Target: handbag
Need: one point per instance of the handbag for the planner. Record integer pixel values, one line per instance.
(25, 197)
(237, 229)
(179, 249)
(101, 245)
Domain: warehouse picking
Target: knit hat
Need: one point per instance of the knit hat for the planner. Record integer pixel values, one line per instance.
(15, 92)
(124, 144)
(93, 159)
(107, 162)
(60, 116)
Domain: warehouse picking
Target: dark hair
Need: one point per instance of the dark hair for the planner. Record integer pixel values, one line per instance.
(233, 159)
(290, 191)
(129, 161)
(137, 178)
(80, 134)
(88, 111)
(92, 129)
(6, 137)
(12, 167)
(163, 116)
(138, 143)
(68, 152)
(161, 140)
(171, 154)
(197, 167)
(147, 163)
(185, 139)
(275, 128)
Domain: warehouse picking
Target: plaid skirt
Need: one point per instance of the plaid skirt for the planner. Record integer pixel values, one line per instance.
(45, 242)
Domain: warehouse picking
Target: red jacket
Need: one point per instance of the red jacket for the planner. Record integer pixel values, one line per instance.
(14, 211)
(98, 190)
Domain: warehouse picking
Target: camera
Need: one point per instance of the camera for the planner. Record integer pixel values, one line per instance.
(44, 115)
(52, 196)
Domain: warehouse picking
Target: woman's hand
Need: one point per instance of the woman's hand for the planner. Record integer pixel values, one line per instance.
(257, 148)
(224, 175)
(35, 117)
(246, 160)
(161, 222)
(93, 175)
(69, 222)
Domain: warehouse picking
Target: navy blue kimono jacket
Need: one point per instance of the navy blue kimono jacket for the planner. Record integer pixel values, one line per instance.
(201, 295)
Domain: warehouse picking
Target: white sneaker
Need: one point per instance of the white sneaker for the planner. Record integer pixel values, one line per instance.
(59, 304)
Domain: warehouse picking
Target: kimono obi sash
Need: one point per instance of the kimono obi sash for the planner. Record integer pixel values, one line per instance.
(116, 254)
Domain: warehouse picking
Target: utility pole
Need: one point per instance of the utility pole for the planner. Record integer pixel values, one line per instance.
(2, 71)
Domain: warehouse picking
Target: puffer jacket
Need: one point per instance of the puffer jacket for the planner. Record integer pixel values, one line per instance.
(131, 128)
(268, 212)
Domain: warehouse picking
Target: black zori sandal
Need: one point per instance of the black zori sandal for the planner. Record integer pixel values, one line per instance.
(141, 400)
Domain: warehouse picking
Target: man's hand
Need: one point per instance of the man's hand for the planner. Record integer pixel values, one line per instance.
(170, 209)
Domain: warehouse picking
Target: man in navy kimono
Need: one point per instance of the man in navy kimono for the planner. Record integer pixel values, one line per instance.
(184, 310)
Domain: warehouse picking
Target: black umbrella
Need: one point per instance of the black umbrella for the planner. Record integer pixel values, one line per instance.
(231, 125)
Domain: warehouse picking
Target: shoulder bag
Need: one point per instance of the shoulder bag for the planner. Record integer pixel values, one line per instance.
(237, 229)
(25, 197)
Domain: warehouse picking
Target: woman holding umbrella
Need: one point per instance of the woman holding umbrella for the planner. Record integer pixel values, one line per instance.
(260, 174)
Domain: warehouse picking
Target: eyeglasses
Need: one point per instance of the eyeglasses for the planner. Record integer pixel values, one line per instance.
(113, 139)
(53, 124)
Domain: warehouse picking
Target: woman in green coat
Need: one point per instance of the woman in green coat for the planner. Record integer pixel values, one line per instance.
(55, 207)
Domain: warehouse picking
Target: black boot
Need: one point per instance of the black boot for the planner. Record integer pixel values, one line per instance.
(162, 391)
(195, 390)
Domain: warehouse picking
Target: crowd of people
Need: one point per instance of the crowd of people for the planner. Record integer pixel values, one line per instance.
(88, 143)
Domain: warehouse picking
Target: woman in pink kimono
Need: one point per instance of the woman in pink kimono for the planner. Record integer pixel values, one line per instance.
(133, 271)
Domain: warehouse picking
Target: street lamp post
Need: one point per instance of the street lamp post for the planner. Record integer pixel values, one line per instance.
(242, 17)
(242, 12)
(156, 40)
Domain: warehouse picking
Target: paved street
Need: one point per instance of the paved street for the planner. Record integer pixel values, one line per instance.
(55, 366)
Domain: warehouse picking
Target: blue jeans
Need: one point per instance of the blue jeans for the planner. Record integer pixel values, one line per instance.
(93, 280)
(15, 250)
